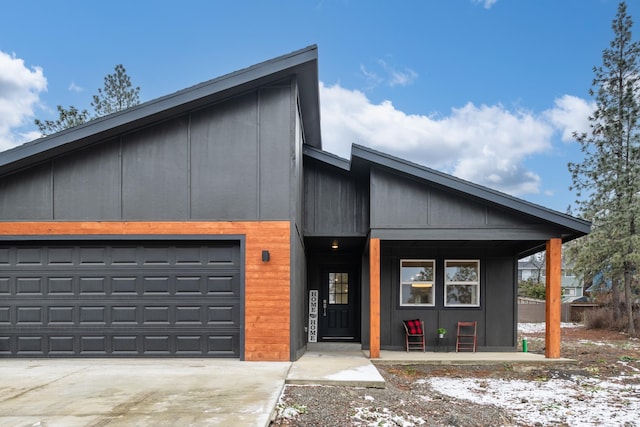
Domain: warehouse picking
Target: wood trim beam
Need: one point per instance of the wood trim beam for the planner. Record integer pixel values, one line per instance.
(554, 298)
(374, 298)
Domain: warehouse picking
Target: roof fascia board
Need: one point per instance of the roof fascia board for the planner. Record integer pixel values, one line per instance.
(473, 190)
(326, 157)
(301, 62)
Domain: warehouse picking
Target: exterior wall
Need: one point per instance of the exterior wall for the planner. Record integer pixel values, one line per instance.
(230, 161)
(267, 284)
(409, 209)
(238, 161)
(336, 204)
(299, 300)
(496, 315)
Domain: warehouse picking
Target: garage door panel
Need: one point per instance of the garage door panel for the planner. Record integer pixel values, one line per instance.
(125, 300)
(29, 257)
(46, 282)
(29, 286)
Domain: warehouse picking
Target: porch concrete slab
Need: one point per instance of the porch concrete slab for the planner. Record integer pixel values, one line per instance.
(464, 358)
(337, 366)
(141, 392)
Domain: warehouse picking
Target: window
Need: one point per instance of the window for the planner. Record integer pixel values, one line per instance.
(417, 278)
(462, 283)
(338, 288)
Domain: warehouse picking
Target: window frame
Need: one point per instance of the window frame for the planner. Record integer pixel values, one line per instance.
(432, 282)
(475, 283)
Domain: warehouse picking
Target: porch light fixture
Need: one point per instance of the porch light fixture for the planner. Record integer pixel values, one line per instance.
(334, 244)
(266, 256)
(421, 285)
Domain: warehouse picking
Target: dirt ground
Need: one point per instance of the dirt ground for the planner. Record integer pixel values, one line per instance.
(410, 399)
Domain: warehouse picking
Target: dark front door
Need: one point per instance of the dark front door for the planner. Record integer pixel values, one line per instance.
(339, 303)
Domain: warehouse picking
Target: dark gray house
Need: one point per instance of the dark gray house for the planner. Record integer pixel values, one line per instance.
(210, 223)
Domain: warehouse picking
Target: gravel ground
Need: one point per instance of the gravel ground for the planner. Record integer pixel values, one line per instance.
(603, 387)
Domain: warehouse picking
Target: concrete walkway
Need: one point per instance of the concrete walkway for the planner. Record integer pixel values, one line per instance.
(335, 364)
(464, 358)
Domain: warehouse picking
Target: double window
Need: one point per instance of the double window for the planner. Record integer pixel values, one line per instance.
(461, 283)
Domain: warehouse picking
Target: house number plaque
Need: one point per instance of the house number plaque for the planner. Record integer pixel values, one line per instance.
(313, 316)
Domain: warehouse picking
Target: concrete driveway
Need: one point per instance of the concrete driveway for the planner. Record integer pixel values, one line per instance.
(141, 392)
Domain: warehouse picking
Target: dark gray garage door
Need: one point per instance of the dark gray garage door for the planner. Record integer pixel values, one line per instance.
(112, 299)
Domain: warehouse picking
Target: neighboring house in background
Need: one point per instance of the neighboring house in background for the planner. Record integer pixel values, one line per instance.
(572, 286)
(210, 223)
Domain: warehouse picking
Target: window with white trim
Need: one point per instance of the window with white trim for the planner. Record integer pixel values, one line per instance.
(417, 282)
(462, 283)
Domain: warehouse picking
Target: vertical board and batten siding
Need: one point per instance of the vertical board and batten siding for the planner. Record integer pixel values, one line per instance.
(230, 161)
(335, 202)
(267, 284)
(496, 315)
(402, 202)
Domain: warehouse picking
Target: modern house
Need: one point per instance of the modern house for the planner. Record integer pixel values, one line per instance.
(210, 223)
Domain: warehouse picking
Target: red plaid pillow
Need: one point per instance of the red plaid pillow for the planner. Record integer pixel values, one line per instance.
(414, 327)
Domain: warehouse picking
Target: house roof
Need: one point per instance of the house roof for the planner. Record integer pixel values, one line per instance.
(303, 64)
(364, 157)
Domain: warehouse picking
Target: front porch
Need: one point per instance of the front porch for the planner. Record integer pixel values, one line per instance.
(342, 364)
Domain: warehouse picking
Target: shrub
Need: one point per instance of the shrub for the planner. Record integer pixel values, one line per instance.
(532, 290)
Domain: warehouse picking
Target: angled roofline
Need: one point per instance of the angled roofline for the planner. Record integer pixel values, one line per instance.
(302, 63)
(579, 226)
(582, 227)
(326, 157)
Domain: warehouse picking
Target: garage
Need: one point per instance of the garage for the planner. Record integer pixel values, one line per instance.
(127, 299)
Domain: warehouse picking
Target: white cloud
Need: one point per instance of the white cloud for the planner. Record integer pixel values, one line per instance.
(483, 144)
(485, 3)
(398, 77)
(389, 75)
(20, 89)
(571, 114)
(73, 87)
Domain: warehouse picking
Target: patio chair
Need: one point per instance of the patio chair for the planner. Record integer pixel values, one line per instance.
(466, 339)
(414, 334)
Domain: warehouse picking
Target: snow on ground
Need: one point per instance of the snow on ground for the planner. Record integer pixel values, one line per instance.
(577, 401)
(574, 401)
(532, 328)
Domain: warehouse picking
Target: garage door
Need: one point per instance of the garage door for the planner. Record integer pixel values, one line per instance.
(113, 299)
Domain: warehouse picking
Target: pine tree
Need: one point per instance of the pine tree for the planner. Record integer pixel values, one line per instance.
(609, 174)
(67, 118)
(117, 94)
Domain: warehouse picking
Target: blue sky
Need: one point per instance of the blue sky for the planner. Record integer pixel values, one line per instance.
(488, 90)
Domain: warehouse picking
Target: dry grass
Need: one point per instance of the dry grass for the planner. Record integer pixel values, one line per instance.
(602, 318)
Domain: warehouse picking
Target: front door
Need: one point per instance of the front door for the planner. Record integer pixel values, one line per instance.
(339, 303)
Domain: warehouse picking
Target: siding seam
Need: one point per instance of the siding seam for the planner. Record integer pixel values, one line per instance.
(189, 167)
(52, 190)
(258, 156)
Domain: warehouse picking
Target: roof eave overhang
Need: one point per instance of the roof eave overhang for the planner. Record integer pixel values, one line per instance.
(301, 64)
(578, 227)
